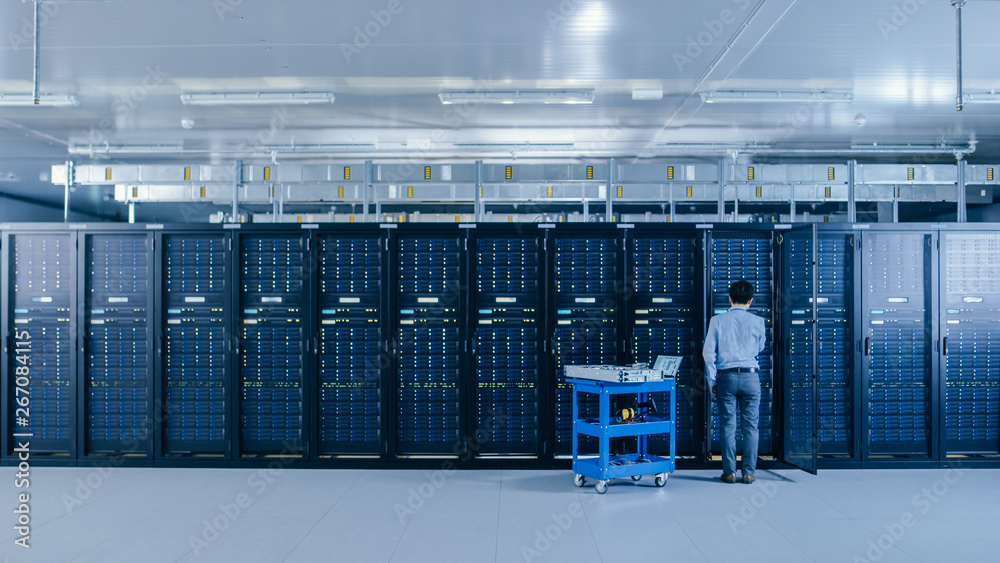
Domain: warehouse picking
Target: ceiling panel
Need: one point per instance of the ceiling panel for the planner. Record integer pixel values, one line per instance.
(128, 61)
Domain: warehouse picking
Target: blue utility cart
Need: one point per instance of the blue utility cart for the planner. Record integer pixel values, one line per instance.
(605, 467)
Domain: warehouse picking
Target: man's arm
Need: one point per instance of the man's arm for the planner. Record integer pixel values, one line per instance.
(761, 336)
(709, 352)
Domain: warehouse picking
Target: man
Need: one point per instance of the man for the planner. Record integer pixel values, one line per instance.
(734, 339)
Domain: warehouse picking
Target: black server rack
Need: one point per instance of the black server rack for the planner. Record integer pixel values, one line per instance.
(118, 367)
(833, 261)
(195, 344)
(586, 293)
(40, 314)
(430, 343)
(970, 330)
(507, 354)
(351, 356)
(272, 354)
(898, 335)
(663, 309)
(746, 255)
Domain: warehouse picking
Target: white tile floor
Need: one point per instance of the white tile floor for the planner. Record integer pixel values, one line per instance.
(217, 515)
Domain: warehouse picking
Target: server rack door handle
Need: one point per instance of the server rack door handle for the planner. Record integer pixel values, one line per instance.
(944, 346)
(867, 341)
(315, 345)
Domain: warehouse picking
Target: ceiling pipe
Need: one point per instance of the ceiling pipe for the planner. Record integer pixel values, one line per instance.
(680, 151)
(38, 32)
(958, 34)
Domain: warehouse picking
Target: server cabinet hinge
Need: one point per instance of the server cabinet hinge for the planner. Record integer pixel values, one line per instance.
(308, 244)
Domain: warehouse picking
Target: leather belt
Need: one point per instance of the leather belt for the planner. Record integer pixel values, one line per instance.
(739, 370)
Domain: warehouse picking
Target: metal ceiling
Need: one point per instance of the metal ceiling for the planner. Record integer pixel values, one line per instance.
(128, 61)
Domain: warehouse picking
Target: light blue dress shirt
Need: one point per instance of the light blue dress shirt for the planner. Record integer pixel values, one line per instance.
(734, 339)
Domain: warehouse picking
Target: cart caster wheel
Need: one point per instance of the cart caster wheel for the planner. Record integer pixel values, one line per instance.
(660, 479)
(636, 477)
(601, 487)
(579, 480)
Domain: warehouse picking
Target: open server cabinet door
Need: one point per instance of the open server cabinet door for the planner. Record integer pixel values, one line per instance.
(799, 308)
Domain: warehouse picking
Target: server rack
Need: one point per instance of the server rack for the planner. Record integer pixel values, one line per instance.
(353, 360)
(950, 397)
(827, 257)
(734, 255)
(40, 298)
(195, 344)
(507, 325)
(117, 398)
(663, 274)
(899, 366)
(970, 332)
(272, 349)
(430, 342)
(584, 307)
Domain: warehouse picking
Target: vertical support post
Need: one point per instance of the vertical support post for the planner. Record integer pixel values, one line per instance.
(791, 208)
(611, 181)
(673, 207)
(852, 202)
(364, 189)
(281, 202)
(237, 180)
(586, 210)
(131, 212)
(960, 99)
(895, 204)
(38, 33)
(69, 184)
(962, 202)
(723, 169)
(479, 187)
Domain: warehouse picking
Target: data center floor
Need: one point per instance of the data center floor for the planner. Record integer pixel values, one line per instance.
(243, 515)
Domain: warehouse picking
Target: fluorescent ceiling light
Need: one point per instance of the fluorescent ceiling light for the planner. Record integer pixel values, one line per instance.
(255, 98)
(793, 96)
(990, 97)
(644, 94)
(518, 97)
(44, 100)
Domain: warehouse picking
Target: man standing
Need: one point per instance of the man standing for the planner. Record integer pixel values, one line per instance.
(734, 339)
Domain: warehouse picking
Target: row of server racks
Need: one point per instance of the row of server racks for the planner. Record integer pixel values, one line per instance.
(385, 345)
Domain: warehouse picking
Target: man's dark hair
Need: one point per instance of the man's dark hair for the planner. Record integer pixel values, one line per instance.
(741, 292)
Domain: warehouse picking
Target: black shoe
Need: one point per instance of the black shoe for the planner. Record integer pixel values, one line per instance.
(728, 477)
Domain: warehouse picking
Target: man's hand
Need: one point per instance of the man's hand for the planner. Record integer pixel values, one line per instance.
(711, 392)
